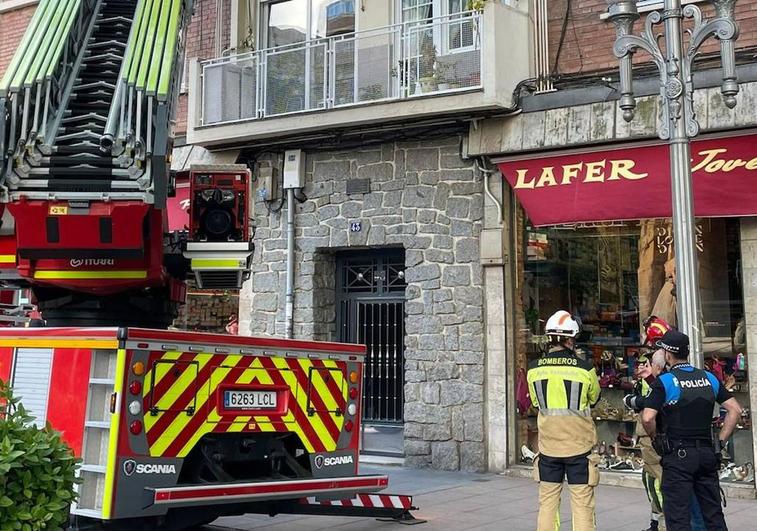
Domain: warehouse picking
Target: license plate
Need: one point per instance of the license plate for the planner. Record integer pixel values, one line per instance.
(249, 399)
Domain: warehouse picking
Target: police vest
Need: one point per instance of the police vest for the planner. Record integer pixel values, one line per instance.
(689, 402)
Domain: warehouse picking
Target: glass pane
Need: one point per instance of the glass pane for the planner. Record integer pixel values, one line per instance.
(417, 10)
(332, 17)
(285, 82)
(455, 6)
(287, 22)
(614, 276)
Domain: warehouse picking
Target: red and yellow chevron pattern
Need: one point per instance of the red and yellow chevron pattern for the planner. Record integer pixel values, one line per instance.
(181, 380)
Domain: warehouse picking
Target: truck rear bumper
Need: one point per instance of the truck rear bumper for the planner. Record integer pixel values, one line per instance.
(333, 488)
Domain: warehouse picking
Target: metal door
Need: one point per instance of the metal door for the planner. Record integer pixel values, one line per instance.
(371, 311)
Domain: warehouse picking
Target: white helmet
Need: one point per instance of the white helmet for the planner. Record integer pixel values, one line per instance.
(562, 324)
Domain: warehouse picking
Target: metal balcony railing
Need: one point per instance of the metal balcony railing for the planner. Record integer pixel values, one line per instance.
(435, 56)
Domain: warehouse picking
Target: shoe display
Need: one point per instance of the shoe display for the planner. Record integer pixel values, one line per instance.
(526, 454)
(750, 473)
(726, 474)
(621, 464)
(626, 440)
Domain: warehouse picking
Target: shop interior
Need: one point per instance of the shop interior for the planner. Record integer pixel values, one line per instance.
(613, 276)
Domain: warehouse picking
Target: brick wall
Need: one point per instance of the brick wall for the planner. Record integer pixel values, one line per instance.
(200, 40)
(207, 311)
(12, 26)
(587, 43)
(200, 43)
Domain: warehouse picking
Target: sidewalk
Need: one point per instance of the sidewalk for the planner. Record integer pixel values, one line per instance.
(453, 501)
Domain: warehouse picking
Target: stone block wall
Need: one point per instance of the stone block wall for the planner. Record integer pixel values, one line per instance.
(749, 272)
(425, 199)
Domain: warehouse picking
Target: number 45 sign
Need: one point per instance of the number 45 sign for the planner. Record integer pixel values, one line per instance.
(356, 226)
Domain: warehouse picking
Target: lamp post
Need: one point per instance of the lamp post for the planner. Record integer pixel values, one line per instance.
(678, 124)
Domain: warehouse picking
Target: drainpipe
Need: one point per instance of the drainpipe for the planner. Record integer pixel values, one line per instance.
(289, 308)
(487, 188)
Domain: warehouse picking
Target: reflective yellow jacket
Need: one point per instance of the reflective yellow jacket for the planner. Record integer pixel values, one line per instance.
(564, 388)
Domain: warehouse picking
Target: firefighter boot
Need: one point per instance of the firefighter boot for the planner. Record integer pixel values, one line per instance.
(582, 504)
(549, 506)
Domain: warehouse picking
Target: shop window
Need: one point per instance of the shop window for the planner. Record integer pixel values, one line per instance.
(613, 276)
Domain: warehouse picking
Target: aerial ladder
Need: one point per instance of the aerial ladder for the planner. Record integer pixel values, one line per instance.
(86, 106)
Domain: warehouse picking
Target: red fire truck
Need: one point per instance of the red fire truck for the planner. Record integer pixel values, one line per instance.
(179, 428)
(173, 428)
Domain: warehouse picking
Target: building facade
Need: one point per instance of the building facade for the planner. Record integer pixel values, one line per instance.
(425, 131)
(588, 227)
(377, 98)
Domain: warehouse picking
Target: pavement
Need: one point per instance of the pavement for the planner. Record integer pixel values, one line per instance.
(461, 501)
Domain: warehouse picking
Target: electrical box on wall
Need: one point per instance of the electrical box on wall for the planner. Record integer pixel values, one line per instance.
(492, 250)
(267, 184)
(294, 169)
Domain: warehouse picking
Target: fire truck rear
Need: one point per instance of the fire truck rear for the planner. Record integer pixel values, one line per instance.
(176, 429)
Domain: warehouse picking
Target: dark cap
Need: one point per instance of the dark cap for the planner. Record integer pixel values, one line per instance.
(675, 342)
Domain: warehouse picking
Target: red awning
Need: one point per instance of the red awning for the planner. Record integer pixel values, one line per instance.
(178, 208)
(634, 182)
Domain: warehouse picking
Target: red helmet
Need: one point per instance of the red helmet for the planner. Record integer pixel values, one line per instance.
(654, 329)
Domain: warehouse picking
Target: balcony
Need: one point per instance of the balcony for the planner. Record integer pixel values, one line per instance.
(440, 67)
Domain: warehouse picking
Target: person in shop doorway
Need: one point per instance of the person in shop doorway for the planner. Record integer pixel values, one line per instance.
(563, 388)
(650, 366)
(684, 399)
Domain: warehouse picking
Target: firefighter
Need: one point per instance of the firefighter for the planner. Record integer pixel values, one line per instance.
(684, 398)
(650, 366)
(564, 387)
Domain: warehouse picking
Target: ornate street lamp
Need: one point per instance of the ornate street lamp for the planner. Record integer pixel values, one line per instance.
(678, 122)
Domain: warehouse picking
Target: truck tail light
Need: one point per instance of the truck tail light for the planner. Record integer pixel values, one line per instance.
(138, 368)
(135, 387)
(135, 427)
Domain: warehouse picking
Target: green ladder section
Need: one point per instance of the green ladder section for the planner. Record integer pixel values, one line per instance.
(151, 55)
(41, 46)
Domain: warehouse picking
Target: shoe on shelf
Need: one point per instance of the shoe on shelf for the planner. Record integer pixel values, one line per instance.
(726, 474)
(527, 454)
(621, 464)
(626, 440)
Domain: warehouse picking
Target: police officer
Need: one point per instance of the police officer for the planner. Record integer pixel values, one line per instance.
(564, 387)
(685, 398)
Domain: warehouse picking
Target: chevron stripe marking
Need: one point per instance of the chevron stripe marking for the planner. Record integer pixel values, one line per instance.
(321, 412)
(166, 418)
(165, 377)
(301, 423)
(193, 428)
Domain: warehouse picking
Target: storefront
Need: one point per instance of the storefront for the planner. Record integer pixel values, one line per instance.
(592, 234)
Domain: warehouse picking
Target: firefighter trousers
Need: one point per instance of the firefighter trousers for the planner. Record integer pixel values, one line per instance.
(687, 471)
(582, 474)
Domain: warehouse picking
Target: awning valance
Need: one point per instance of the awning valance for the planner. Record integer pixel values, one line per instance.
(633, 182)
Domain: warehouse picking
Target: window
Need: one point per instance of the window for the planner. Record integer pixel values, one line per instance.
(613, 276)
(294, 21)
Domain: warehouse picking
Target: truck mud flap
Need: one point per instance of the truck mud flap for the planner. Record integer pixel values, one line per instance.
(213, 494)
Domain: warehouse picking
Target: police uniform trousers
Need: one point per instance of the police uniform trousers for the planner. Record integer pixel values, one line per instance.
(582, 475)
(691, 469)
